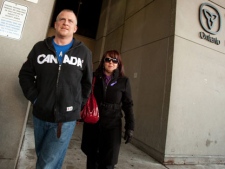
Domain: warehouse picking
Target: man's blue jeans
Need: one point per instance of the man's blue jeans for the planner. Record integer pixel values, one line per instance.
(51, 150)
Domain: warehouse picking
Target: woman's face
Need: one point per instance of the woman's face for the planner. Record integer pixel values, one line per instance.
(110, 64)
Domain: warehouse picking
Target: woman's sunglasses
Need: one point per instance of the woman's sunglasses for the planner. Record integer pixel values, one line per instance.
(108, 60)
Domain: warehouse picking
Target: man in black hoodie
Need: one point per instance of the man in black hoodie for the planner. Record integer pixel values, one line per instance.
(56, 78)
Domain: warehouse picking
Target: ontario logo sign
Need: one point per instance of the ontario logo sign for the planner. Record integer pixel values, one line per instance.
(210, 20)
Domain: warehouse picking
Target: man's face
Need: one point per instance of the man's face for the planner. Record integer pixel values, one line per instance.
(66, 24)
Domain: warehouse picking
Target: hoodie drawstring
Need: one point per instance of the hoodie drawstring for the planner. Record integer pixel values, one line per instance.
(59, 128)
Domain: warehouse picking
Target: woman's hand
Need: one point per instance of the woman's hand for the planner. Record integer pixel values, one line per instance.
(128, 136)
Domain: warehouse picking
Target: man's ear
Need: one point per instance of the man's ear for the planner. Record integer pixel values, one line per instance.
(75, 29)
(54, 24)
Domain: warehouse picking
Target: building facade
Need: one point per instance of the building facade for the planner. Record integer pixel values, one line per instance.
(174, 55)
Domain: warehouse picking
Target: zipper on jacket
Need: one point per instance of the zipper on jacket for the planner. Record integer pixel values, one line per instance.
(106, 86)
(105, 91)
(57, 86)
(57, 82)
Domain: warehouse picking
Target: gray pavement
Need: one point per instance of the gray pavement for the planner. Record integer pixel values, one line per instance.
(130, 157)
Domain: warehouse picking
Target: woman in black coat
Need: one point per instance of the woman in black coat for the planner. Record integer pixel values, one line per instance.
(101, 141)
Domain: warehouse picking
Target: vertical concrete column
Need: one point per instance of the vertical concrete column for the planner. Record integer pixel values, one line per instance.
(13, 105)
(101, 33)
(195, 132)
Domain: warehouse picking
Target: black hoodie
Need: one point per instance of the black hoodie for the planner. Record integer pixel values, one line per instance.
(57, 91)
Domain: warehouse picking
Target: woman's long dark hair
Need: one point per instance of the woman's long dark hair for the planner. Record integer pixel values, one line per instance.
(112, 54)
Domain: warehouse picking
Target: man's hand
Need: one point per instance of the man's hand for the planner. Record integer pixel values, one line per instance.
(128, 136)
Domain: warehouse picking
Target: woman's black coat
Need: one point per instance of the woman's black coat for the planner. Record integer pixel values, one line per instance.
(104, 138)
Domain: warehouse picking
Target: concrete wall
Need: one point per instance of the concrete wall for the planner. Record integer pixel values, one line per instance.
(177, 78)
(144, 33)
(196, 115)
(13, 105)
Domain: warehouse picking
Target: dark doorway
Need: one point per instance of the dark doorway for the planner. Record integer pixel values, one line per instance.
(87, 11)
